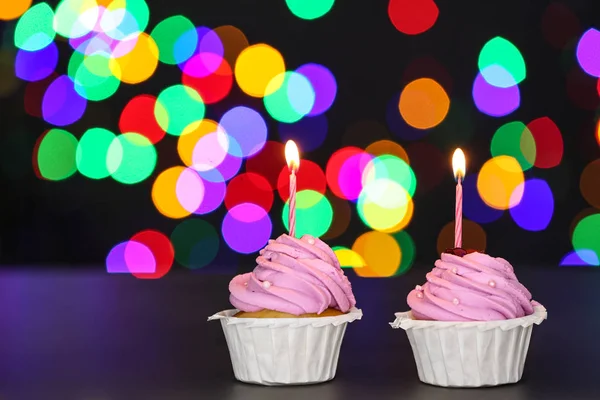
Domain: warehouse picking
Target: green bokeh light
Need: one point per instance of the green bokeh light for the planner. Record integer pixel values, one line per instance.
(514, 139)
(499, 52)
(35, 29)
(309, 9)
(314, 214)
(92, 153)
(585, 234)
(178, 107)
(131, 158)
(56, 155)
(68, 21)
(196, 243)
(166, 33)
(140, 11)
(408, 251)
(293, 100)
(390, 167)
(93, 77)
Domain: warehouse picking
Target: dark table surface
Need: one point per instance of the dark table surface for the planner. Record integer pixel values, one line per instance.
(86, 335)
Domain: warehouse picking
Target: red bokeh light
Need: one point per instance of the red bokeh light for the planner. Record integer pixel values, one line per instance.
(161, 248)
(309, 177)
(334, 166)
(249, 187)
(213, 87)
(548, 142)
(413, 16)
(268, 162)
(138, 117)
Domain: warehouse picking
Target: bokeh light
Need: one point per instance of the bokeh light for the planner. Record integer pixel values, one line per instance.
(138, 117)
(129, 257)
(256, 68)
(178, 192)
(92, 153)
(233, 40)
(310, 176)
(586, 240)
(474, 237)
(62, 105)
(162, 250)
(589, 183)
(131, 158)
(309, 9)
(588, 52)
(424, 103)
(176, 39)
(314, 213)
(500, 182)
(396, 123)
(413, 17)
(408, 251)
(249, 188)
(212, 83)
(196, 243)
(36, 65)
(290, 97)
(534, 211)
(135, 59)
(92, 76)
(501, 63)
(493, 100)
(10, 10)
(515, 140)
(560, 25)
(348, 258)
(549, 145)
(246, 228)
(179, 109)
(341, 217)
(247, 127)
(381, 253)
(55, 154)
(35, 29)
(580, 258)
(324, 85)
(474, 208)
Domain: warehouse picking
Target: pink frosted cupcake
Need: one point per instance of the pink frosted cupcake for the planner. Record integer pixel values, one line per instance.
(291, 314)
(471, 322)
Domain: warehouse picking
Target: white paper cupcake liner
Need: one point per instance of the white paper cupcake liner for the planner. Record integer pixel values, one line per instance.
(470, 354)
(284, 351)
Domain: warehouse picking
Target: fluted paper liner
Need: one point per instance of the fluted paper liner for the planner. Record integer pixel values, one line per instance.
(470, 354)
(284, 351)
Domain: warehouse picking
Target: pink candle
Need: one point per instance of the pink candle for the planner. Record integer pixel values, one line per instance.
(292, 209)
(459, 167)
(458, 215)
(293, 161)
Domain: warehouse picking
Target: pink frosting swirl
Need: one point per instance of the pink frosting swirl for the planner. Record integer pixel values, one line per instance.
(475, 287)
(294, 276)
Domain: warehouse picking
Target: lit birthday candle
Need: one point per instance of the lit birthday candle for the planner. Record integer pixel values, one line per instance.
(293, 161)
(459, 167)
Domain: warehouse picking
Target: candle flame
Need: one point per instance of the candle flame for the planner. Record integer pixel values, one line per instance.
(459, 164)
(291, 155)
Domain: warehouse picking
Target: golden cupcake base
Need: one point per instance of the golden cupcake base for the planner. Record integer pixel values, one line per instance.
(330, 312)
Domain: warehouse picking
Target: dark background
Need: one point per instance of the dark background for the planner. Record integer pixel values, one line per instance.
(77, 221)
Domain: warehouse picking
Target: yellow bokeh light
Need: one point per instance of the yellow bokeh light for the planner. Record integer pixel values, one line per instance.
(349, 258)
(382, 147)
(424, 103)
(13, 9)
(187, 142)
(139, 61)
(386, 206)
(164, 194)
(259, 70)
(381, 253)
(500, 182)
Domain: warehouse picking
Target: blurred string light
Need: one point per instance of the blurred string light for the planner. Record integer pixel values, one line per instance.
(309, 9)
(229, 161)
(413, 17)
(501, 69)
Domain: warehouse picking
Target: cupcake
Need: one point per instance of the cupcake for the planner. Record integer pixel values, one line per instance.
(290, 314)
(470, 324)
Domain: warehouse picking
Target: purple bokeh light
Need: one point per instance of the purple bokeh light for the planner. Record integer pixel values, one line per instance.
(246, 228)
(495, 101)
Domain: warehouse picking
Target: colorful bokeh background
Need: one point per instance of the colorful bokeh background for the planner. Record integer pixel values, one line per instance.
(148, 136)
